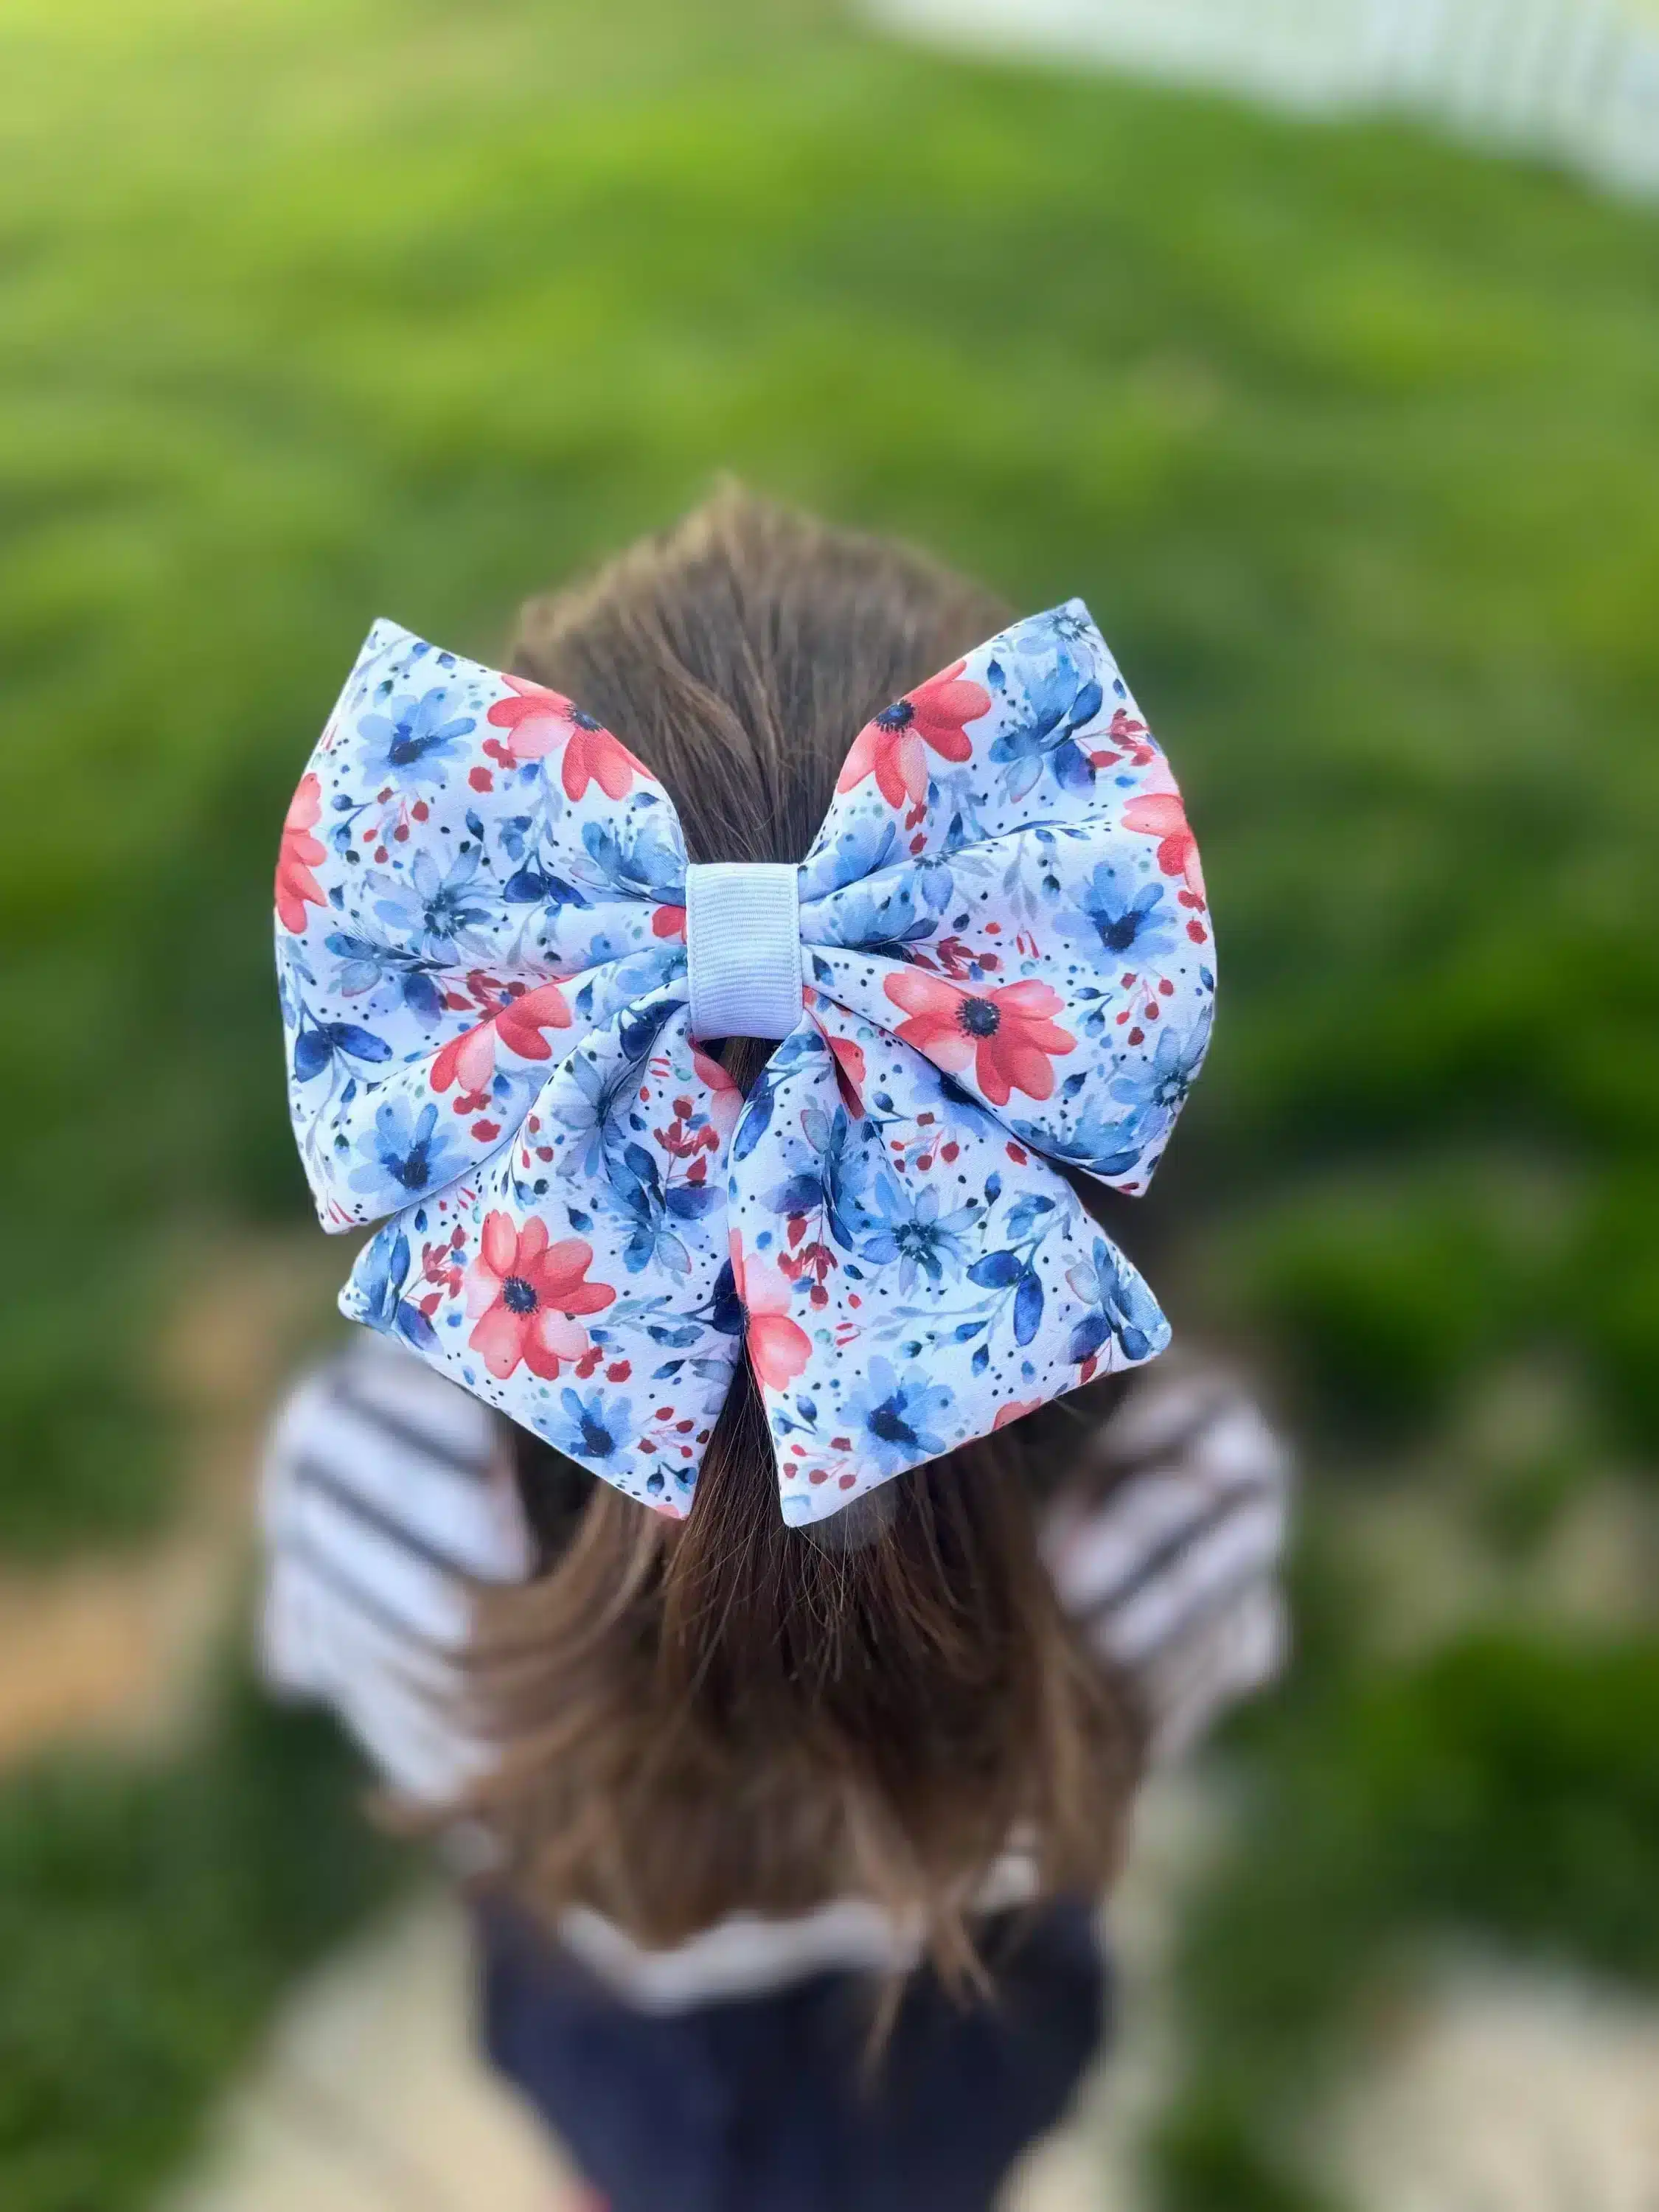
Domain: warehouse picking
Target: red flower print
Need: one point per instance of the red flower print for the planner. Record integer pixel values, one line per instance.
(669, 921)
(1015, 1410)
(519, 1024)
(1006, 1035)
(726, 1095)
(528, 1293)
(840, 1471)
(535, 719)
(778, 1348)
(891, 748)
(539, 721)
(1160, 814)
(594, 756)
(471, 1057)
(296, 887)
(851, 1073)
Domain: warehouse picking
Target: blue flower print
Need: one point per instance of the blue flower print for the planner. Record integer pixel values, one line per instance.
(645, 861)
(833, 1185)
(1066, 626)
(1105, 1146)
(382, 975)
(756, 1116)
(591, 1429)
(596, 1115)
(407, 744)
(640, 1195)
(378, 1281)
(859, 851)
(960, 1114)
(913, 1231)
(437, 913)
(587, 1116)
(1124, 1308)
(1126, 923)
(1156, 1091)
(1055, 701)
(408, 1151)
(886, 916)
(532, 885)
(891, 1417)
(319, 1045)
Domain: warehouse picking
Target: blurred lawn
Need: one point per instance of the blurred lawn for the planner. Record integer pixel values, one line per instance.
(312, 312)
(148, 1920)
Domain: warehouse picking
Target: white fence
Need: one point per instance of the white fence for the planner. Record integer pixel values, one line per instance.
(1575, 80)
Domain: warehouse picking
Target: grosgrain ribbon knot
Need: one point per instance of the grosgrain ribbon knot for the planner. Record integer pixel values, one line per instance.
(997, 954)
(742, 949)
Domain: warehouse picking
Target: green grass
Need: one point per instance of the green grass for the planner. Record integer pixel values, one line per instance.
(149, 1916)
(1503, 1787)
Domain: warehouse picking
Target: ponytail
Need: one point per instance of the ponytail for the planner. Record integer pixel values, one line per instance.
(728, 1713)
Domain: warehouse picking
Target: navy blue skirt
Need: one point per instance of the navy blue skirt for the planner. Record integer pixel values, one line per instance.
(769, 2104)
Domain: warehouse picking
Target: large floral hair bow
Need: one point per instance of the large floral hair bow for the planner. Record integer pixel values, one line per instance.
(497, 974)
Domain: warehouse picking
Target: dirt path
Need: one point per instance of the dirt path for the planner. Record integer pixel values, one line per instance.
(113, 1646)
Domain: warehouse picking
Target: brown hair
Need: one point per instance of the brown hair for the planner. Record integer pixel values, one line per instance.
(728, 1713)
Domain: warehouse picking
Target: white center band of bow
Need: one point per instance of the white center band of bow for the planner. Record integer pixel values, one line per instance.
(996, 955)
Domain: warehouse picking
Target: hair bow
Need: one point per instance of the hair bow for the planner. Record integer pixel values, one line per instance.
(497, 971)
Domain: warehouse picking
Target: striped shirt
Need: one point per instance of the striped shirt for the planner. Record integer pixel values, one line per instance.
(390, 1505)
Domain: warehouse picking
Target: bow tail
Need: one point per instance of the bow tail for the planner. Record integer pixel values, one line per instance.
(576, 1278)
(913, 1276)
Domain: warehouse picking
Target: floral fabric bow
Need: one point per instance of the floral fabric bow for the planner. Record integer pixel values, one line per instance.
(1004, 957)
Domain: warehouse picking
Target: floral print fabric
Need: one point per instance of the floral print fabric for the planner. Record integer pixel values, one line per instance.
(480, 926)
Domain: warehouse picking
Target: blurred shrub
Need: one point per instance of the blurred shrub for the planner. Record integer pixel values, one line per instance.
(1618, 1284)
(1504, 1787)
(1211, 2158)
(86, 1442)
(1386, 1297)
(149, 1916)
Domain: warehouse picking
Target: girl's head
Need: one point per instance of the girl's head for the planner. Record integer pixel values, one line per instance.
(727, 1712)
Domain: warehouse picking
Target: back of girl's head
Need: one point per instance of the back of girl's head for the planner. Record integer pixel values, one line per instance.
(728, 1713)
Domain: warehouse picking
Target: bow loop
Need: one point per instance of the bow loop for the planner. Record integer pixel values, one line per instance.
(1004, 960)
(1029, 915)
(473, 872)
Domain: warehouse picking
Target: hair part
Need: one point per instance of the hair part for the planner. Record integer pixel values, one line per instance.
(728, 1713)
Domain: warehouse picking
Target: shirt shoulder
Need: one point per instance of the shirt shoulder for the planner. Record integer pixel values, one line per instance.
(1168, 1550)
(388, 1505)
